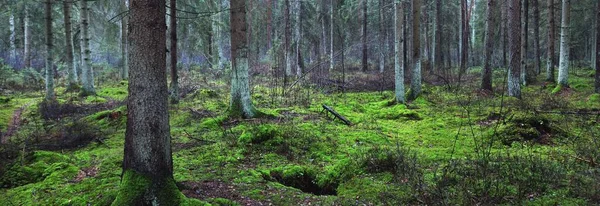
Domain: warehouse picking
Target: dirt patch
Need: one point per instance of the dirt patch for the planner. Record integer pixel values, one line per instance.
(85, 173)
(13, 125)
(217, 189)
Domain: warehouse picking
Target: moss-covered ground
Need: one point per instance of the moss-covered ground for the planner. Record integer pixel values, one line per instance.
(446, 147)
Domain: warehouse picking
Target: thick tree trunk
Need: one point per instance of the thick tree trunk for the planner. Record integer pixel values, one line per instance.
(147, 163)
(49, 45)
(27, 39)
(72, 77)
(536, 38)
(399, 52)
(241, 102)
(365, 65)
(551, 58)
(525, 71)
(87, 76)
(563, 70)
(514, 44)
(597, 54)
(436, 61)
(486, 80)
(415, 82)
(382, 36)
(124, 60)
(173, 53)
(222, 39)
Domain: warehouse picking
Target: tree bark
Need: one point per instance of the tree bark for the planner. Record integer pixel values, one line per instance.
(486, 80)
(147, 163)
(241, 102)
(504, 11)
(514, 44)
(365, 65)
(27, 39)
(288, 34)
(551, 58)
(331, 26)
(13, 38)
(415, 82)
(399, 52)
(437, 33)
(563, 70)
(597, 54)
(299, 61)
(49, 53)
(536, 37)
(525, 71)
(72, 73)
(173, 53)
(382, 36)
(87, 76)
(222, 39)
(124, 60)
(464, 53)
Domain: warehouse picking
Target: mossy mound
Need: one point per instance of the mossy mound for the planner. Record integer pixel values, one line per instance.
(302, 178)
(534, 129)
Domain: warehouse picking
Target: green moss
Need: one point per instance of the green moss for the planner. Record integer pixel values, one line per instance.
(595, 98)
(557, 89)
(136, 189)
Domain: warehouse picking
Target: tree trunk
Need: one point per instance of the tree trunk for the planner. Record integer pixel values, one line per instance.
(597, 54)
(288, 33)
(536, 37)
(399, 51)
(241, 102)
(382, 36)
(415, 82)
(563, 70)
(49, 45)
(27, 39)
(437, 33)
(173, 53)
(147, 177)
(514, 44)
(365, 65)
(525, 73)
(505, 31)
(87, 76)
(222, 39)
(323, 13)
(464, 51)
(72, 77)
(269, 25)
(551, 58)
(486, 80)
(331, 26)
(13, 38)
(299, 61)
(124, 60)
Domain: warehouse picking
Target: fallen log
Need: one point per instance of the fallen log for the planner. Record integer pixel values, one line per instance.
(337, 115)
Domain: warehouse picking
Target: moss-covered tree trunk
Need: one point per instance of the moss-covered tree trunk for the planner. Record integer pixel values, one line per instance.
(514, 44)
(49, 45)
(563, 69)
(486, 80)
(399, 52)
(241, 103)
(87, 73)
(173, 53)
(147, 164)
(72, 77)
(551, 59)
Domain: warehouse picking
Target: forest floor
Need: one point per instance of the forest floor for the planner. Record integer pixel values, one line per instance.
(446, 147)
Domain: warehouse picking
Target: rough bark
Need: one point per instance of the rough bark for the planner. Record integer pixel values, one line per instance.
(365, 65)
(525, 73)
(399, 52)
(241, 102)
(415, 82)
(72, 72)
(222, 39)
(536, 37)
(173, 53)
(551, 58)
(147, 163)
(298, 28)
(597, 54)
(269, 24)
(514, 44)
(505, 31)
(27, 39)
(49, 45)
(288, 37)
(563, 70)
(486, 80)
(124, 60)
(436, 61)
(87, 73)
(464, 41)
(12, 39)
(382, 36)
(331, 26)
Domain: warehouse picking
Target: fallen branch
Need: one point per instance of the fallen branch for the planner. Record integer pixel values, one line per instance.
(337, 115)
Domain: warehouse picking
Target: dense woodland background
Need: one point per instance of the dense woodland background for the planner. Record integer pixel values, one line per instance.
(268, 102)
